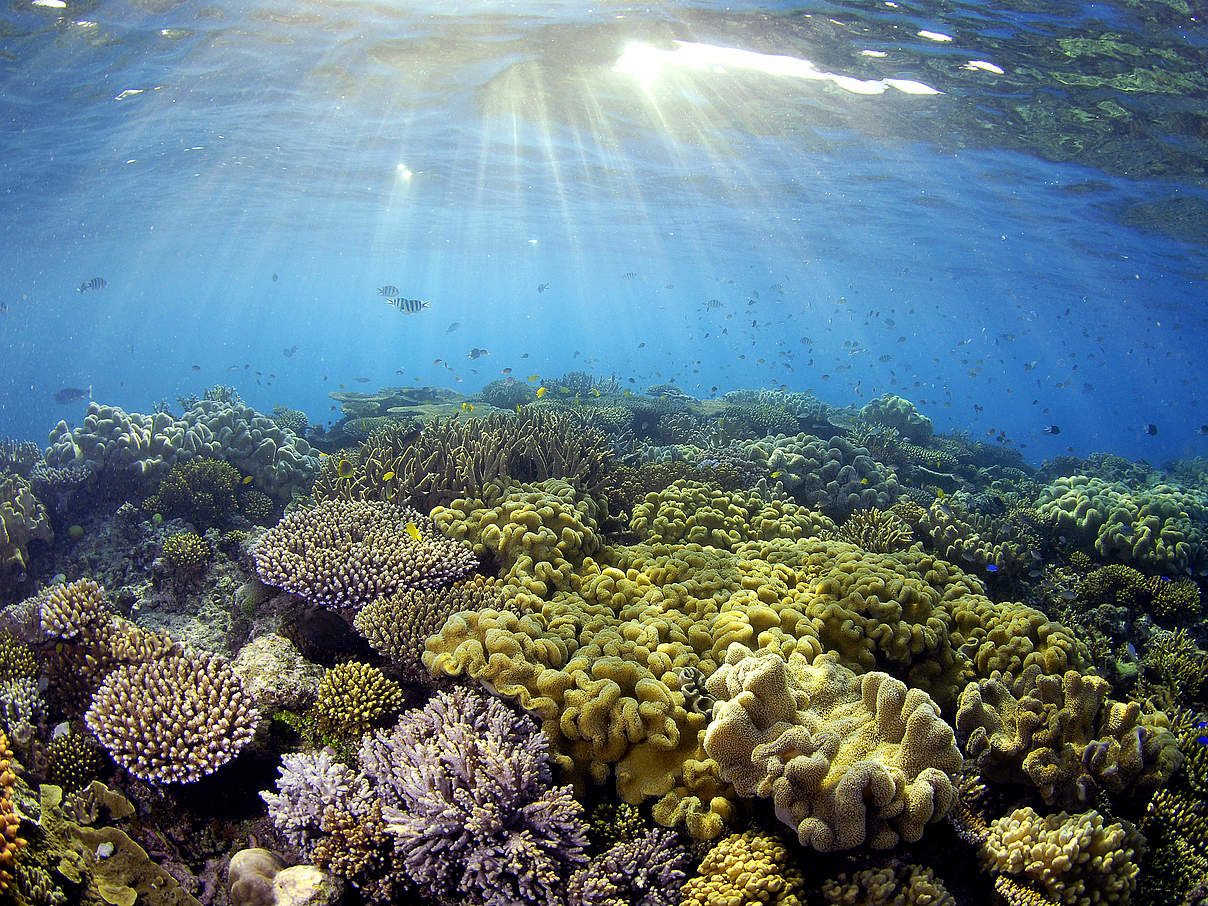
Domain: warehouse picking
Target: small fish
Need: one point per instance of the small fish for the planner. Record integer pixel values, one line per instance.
(506, 371)
(542, 287)
(452, 327)
(628, 275)
(517, 408)
(362, 380)
(409, 306)
(775, 474)
(289, 351)
(1151, 429)
(541, 391)
(247, 479)
(195, 368)
(94, 284)
(595, 391)
(991, 568)
(389, 291)
(413, 532)
(476, 353)
(713, 303)
(387, 476)
(71, 394)
(1203, 430)
(274, 276)
(468, 407)
(1051, 429)
(533, 378)
(345, 469)
(864, 481)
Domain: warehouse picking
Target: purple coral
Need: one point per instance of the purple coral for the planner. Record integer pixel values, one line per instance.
(465, 784)
(310, 783)
(352, 552)
(648, 871)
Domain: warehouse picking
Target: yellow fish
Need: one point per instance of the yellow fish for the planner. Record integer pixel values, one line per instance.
(413, 531)
(247, 479)
(595, 391)
(541, 391)
(863, 481)
(777, 474)
(628, 392)
(387, 476)
(517, 407)
(322, 454)
(469, 407)
(533, 378)
(345, 469)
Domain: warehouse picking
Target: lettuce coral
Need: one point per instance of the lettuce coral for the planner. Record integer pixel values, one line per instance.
(846, 759)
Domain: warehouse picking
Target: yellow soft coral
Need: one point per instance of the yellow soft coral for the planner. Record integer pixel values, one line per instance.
(846, 759)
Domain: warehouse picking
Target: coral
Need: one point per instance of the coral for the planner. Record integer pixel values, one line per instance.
(74, 760)
(455, 457)
(1167, 600)
(397, 626)
(353, 552)
(465, 785)
(698, 513)
(896, 884)
(833, 476)
(20, 700)
(256, 506)
(75, 610)
(1076, 860)
(358, 848)
(900, 414)
(648, 871)
(310, 784)
(186, 553)
(11, 841)
(963, 536)
(16, 658)
(744, 870)
(276, 676)
(1174, 600)
(846, 759)
(508, 394)
(876, 530)
(353, 699)
(1062, 735)
(1163, 527)
(23, 520)
(537, 534)
(610, 823)
(201, 491)
(174, 719)
(291, 419)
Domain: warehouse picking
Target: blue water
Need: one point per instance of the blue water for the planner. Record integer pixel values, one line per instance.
(1030, 242)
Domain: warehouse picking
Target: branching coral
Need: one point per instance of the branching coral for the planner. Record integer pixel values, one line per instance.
(310, 784)
(353, 699)
(353, 552)
(202, 491)
(846, 759)
(11, 841)
(746, 869)
(186, 553)
(896, 884)
(876, 530)
(647, 871)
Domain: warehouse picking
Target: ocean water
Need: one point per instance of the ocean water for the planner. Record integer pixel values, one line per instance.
(996, 210)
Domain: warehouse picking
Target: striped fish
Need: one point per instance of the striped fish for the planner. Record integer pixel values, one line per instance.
(389, 290)
(408, 306)
(94, 283)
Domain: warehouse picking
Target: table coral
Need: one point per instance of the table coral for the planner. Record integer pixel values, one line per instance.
(1077, 860)
(846, 759)
(174, 719)
(747, 869)
(346, 552)
(1062, 735)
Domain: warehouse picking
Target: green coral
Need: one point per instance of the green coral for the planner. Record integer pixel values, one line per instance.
(186, 553)
(202, 491)
(353, 699)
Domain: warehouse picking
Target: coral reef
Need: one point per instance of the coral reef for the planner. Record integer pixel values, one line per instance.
(352, 552)
(353, 699)
(186, 553)
(900, 414)
(876, 530)
(896, 884)
(846, 760)
(647, 871)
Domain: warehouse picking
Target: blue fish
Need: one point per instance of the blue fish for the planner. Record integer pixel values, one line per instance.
(991, 568)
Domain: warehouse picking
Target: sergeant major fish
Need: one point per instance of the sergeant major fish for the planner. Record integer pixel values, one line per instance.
(408, 306)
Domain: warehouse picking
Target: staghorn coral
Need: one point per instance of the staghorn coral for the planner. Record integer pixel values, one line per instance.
(699, 513)
(74, 611)
(357, 847)
(256, 506)
(1062, 735)
(1076, 860)
(23, 520)
(74, 760)
(895, 884)
(353, 699)
(201, 491)
(353, 552)
(397, 626)
(466, 791)
(833, 476)
(876, 530)
(744, 870)
(16, 658)
(647, 871)
(311, 784)
(846, 760)
(173, 719)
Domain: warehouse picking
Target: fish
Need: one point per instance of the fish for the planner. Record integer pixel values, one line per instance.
(533, 378)
(476, 353)
(595, 391)
(389, 290)
(1203, 430)
(409, 306)
(452, 327)
(93, 284)
(775, 474)
(1051, 429)
(468, 407)
(387, 476)
(991, 568)
(275, 276)
(345, 469)
(289, 351)
(413, 532)
(362, 380)
(542, 287)
(713, 303)
(1151, 429)
(541, 391)
(71, 394)
(247, 479)
(195, 368)
(506, 371)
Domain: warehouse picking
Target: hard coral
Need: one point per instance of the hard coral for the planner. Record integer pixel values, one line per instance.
(876, 530)
(11, 842)
(23, 520)
(186, 553)
(1062, 734)
(648, 871)
(353, 699)
(745, 870)
(202, 491)
(353, 552)
(172, 720)
(311, 784)
(846, 759)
